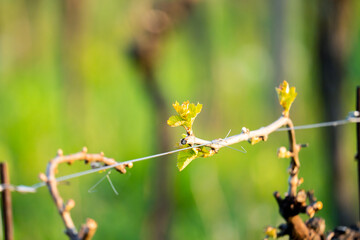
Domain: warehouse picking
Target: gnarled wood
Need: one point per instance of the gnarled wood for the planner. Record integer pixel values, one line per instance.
(88, 229)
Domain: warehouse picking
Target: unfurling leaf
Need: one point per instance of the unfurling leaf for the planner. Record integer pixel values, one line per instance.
(187, 113)
(175, 121)
(286, 96)
(185, 157)
(283, 153)
(257, 139)
(205, 151)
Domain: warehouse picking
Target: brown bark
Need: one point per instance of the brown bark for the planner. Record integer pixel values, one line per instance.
(6, 204)
(295, 202)
(88, 229)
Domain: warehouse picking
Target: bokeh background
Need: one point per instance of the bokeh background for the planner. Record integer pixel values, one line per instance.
(103, 74)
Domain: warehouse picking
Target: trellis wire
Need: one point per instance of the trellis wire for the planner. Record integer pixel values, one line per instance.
(353, 118)
(79, 174)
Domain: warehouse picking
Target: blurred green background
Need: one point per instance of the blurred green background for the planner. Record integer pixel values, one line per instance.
(68, 80)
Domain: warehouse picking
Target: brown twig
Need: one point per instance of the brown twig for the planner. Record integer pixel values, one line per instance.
(253, 137)
(294, 202)
(88, 229)
(357, 156)
(6, 203)
(295, 163)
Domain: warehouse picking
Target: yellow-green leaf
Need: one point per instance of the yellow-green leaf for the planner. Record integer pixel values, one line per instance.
(182, 110)
(187, 113)
(286, 96)
(175, 121)
(185, 157)
(205, 151)
(198, 108)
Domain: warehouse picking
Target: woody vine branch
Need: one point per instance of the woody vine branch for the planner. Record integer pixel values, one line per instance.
(295, 202)
(186, 114)
(88, 229)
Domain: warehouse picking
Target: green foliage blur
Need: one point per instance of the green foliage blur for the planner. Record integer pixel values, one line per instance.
(84, 90)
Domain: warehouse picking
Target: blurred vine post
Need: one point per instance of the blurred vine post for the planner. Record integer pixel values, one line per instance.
(157, 22)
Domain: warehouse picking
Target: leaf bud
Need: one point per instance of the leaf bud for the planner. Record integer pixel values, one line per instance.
(283, 153)
(84, 150)
(60, 152)
(43, 177)
(318, 205)
(300, 181)
(245, 130)
(310, 211)
(69, 205)
(271, 232)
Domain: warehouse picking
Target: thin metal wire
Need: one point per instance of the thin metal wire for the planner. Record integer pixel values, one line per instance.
(111, 184)
(32, 188)
(242, 151)
(67, 177)
(219, 142)
(316, 125)
(79, 174)
(325, 124)
(228, 134)
(91, 190)
(18, 188)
